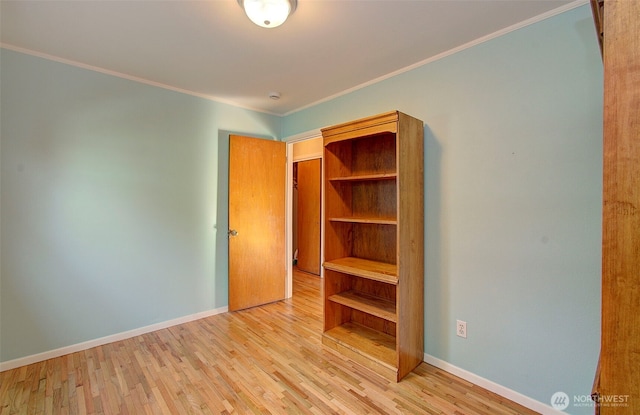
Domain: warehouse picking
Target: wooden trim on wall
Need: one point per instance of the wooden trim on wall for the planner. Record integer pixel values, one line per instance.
(620, 347)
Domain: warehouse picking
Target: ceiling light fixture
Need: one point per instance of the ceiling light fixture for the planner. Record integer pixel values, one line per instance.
(268, 13)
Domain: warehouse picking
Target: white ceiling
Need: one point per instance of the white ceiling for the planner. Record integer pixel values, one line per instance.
(210, 48)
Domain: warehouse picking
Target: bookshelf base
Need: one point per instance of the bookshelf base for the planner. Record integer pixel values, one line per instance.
(370, 348)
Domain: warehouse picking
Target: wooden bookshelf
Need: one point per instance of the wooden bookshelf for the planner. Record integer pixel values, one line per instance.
(374, 258)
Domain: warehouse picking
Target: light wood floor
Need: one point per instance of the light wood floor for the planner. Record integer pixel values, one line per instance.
(268, 359)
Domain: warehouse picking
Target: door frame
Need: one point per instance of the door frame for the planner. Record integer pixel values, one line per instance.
(291, 140)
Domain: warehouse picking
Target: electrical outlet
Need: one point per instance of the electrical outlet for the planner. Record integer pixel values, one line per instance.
(461, 328)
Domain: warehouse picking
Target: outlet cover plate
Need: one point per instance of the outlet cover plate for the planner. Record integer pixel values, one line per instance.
(461, 328)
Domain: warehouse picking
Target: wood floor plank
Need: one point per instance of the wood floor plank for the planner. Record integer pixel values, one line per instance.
(264, 360)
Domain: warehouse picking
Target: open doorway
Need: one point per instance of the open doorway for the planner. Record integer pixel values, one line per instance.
(304, 203)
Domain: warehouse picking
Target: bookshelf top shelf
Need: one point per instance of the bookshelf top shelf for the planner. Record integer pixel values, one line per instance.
(366, 220)
(378, 124)
(365, 268)
(365, 177)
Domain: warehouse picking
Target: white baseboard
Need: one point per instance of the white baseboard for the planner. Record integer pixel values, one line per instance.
(493, 387)
(27, 360)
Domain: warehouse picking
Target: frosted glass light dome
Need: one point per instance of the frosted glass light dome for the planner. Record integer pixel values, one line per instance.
(268, 13)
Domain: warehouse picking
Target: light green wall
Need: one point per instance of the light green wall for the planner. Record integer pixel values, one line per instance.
(110, 195)
(513, 131)
(111, 190)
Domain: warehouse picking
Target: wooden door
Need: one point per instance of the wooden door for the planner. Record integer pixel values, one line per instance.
(257, 185)
(309, 194)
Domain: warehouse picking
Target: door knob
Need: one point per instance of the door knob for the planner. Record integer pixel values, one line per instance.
(232, 232)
